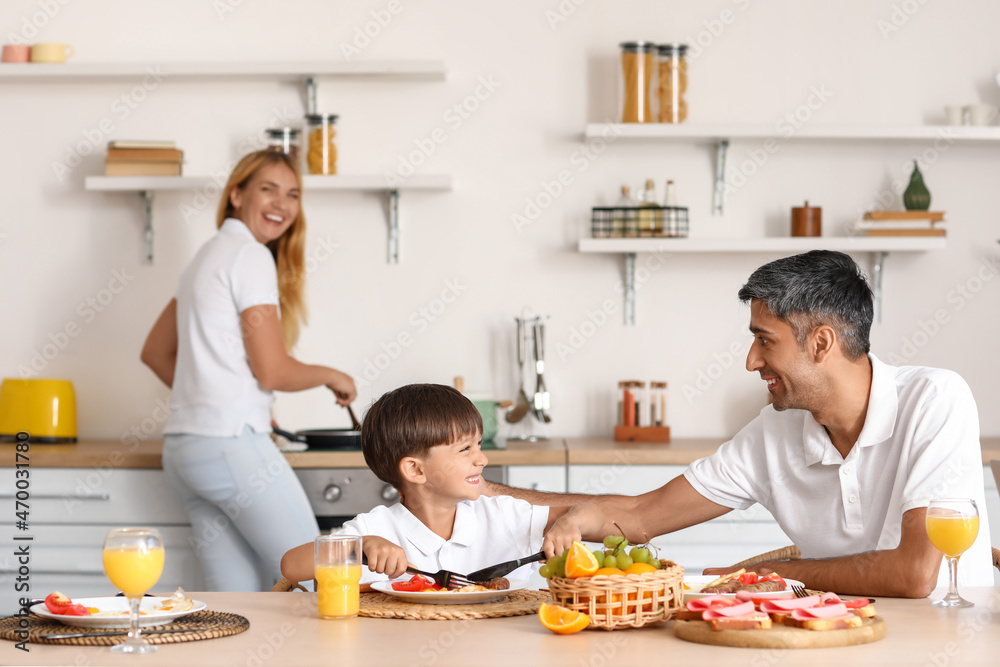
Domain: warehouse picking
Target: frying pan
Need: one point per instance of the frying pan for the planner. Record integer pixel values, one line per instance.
(327, 438)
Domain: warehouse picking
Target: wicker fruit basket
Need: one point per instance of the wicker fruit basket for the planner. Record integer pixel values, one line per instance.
(623, 601)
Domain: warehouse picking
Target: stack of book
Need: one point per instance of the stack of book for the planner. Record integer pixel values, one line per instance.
(902, 223)
(143, 158)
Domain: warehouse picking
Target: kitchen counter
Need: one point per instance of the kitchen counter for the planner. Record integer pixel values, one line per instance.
(558, 451)
(284, 630)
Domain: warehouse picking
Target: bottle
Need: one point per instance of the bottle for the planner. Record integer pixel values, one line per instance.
(657, 403)
(636, 81)
(321, 151)
(670, 210)
(649, 221)
(623, 220)
(671, 83)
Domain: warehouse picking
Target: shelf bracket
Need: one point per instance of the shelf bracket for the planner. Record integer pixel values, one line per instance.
(630, 289)
(394, 226)
(877, 266)
(719, 191)
(310, 95)
(147, 201)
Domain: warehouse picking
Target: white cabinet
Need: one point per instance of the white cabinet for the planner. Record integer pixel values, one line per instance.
(71, 511)
(538, 478)
(717, 543)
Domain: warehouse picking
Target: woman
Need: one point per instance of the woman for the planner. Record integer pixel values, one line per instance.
(222, 345)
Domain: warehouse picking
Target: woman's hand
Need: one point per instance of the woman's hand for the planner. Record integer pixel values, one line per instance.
(342, 386)
(384, 557)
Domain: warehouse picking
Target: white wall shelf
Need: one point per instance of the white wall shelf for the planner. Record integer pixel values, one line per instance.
(879, 247)
(417, 70)
(735, 131)
(720, 135)
(147, 186)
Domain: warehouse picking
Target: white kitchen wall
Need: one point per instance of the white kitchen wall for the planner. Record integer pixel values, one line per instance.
(552, 68)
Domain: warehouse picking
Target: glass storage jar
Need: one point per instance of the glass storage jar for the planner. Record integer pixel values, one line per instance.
(636, 81)
(671, 83)
(286, 140)
(657, 403)
(321, 149)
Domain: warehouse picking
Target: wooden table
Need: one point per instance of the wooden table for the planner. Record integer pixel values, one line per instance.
(284, 630)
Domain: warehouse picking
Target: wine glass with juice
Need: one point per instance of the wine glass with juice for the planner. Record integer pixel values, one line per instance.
(952, 526)
(133, 561)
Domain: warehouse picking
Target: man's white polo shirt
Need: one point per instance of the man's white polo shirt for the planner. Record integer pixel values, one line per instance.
(487, 531)
(920, 441)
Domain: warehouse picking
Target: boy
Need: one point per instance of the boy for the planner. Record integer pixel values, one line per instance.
(424, 440)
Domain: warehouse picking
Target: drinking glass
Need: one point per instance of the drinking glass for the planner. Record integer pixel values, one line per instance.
(133, 561)
(952, 526)
(338, 573)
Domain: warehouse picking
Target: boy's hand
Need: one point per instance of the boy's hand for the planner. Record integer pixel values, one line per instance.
(561, 536)
(384, 557)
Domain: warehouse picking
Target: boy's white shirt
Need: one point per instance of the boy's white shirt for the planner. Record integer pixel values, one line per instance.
(487, 531)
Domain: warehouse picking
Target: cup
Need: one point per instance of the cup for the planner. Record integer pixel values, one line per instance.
(50, 53)
(954, 115)
(338, 575)
(16, 53)
(981, 114)
(487, 408)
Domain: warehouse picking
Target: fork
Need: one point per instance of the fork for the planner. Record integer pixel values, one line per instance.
(502, 569)
(443, 578)
(800, 591)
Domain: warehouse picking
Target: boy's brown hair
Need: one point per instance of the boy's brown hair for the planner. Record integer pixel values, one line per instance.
(408, 421)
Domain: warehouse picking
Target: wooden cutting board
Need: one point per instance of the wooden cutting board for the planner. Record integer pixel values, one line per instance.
(780, 636)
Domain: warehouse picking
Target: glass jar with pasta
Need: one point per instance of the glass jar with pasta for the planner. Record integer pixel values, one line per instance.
(321, 149)
(637, 78)
(672, 81)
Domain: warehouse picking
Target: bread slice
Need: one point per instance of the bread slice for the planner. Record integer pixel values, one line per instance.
(756, 621)
(840, 623)
(868, 611)
(688, 615)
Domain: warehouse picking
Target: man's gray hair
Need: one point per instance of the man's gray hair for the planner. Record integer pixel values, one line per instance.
(816, 288)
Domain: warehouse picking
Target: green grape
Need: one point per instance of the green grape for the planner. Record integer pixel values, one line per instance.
(560, 571)
(610, 561)
(639, 554)
(624, 561)
(545, 571)
(553, 562)
(599, 555)
(612, 541)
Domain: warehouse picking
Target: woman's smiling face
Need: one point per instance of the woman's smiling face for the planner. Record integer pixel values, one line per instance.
(269, 203)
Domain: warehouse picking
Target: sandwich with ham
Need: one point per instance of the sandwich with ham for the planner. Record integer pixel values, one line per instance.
(834, 616)
(694, 609)
(741, 616)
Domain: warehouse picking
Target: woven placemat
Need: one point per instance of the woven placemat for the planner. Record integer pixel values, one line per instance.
(199, 625)
(518, 603)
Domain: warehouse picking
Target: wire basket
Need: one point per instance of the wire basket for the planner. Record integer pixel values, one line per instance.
(636, 222)
(623, 601)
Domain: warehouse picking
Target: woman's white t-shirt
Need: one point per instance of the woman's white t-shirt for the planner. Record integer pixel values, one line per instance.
(215, 393)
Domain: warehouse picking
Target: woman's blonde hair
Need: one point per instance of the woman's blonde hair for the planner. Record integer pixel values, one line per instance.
(288, 249)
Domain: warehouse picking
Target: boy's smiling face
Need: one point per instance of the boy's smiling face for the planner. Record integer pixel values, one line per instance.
(453, 471)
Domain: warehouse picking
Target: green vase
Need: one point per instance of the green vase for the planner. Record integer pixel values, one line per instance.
(916, 197)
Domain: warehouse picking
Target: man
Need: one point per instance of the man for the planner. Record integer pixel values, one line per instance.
(846, 458)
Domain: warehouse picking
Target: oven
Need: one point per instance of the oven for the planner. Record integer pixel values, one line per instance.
(339, 494)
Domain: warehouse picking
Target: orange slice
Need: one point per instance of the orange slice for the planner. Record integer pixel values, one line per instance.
(580, 561)
(609, 571)
(640, 568)
(562, 621)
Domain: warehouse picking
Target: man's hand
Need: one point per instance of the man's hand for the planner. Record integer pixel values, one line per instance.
(760, 568)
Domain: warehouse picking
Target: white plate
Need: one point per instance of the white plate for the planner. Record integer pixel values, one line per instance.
(693, 585)
(433, 597)
(117, 604)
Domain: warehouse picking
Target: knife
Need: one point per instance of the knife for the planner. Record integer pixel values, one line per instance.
(112, 633)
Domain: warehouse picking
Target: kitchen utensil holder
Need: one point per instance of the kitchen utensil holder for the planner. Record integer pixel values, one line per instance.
(622, 222)
(533, 428)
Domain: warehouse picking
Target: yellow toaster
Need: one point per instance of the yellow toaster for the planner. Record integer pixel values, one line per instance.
(45, 409)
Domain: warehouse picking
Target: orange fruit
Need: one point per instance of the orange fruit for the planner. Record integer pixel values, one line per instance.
(640, 568)
(561, 620)
(609, 571)
(580, 561)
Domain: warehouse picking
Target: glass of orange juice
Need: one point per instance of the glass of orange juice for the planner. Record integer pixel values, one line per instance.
(133, 561)
(338, 575)
(952, 526)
